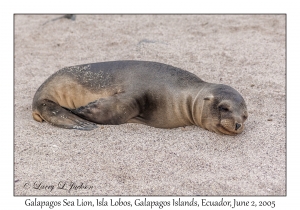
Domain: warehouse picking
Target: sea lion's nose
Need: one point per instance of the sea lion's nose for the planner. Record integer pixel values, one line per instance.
(237, 126)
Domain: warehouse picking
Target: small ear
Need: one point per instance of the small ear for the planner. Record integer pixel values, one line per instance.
(207, 98)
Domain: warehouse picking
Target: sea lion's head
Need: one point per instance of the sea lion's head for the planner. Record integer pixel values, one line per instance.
(223, 110)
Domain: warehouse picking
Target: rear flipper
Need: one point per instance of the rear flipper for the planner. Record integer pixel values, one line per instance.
(114, 110)
(58, 116)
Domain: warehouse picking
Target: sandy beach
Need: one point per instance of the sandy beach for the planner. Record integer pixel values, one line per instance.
(246, 52)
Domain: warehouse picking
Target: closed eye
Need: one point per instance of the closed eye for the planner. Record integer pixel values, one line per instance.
(223, 109)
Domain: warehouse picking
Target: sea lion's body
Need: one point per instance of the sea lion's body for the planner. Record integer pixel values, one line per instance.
(150, 93)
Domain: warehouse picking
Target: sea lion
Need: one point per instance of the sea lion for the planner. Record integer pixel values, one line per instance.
(151, 93)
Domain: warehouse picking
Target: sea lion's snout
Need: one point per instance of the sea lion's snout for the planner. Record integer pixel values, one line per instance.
(237, 126)
(229, 126)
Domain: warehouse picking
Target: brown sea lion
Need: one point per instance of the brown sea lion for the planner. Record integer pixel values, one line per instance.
(151, 93)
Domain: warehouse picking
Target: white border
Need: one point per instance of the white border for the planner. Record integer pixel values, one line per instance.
(8, 201)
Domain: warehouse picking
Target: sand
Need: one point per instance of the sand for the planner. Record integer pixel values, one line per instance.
(246, 52)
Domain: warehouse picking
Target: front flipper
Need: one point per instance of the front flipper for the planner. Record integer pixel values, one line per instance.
(114, 110)
(58, 116)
